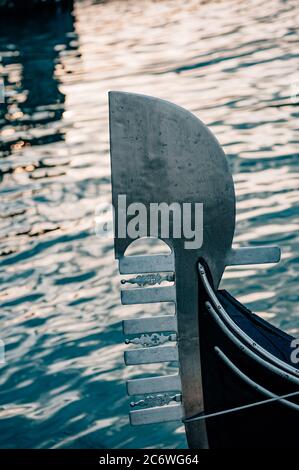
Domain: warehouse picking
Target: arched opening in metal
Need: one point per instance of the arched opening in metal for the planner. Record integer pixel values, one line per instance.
(148, 246)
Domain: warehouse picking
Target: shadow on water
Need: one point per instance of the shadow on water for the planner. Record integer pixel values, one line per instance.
(33, 98)
(17, 8)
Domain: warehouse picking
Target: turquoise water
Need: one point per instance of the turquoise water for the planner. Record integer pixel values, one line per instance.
(235, 65)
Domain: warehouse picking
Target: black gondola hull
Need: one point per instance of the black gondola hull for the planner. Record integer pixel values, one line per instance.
(271, 425)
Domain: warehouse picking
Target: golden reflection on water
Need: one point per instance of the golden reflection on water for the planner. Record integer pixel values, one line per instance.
(233, 64)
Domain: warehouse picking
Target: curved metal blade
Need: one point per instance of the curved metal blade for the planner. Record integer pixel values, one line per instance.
(163, 153)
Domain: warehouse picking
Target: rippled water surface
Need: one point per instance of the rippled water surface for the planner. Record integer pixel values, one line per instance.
(235, 65)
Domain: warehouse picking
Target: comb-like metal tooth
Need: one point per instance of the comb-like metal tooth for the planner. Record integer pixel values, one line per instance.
(157, 415)
(161, 399)
(144, 280)
(151, 355)
(253, 255)
(154, 385)
(146, 264)
(151, 340)
(150, 324)
(148, 295)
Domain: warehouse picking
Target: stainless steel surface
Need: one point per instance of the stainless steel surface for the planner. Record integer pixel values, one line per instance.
(150, 324)
(165, 383)
(157, 415)
(152, 279)
(146, 264)
(253, 255)
(251, 382)
(154, 339)
(160, 399)
(162, 153)
(148, 295)
(273, 359)
(246, 350)
(151, 355)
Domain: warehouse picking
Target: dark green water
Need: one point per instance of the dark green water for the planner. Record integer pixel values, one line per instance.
(235, 64)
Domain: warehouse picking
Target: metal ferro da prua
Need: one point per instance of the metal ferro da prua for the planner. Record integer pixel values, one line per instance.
(161, 153)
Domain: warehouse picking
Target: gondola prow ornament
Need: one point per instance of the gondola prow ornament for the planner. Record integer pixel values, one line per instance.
(163, 154)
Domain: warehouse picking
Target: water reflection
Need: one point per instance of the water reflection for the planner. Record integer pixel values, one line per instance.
(60, 313)
(31, 48)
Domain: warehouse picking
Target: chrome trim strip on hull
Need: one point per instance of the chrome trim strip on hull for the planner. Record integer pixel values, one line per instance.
(237, 330)
(253, 384)
(247, 350)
